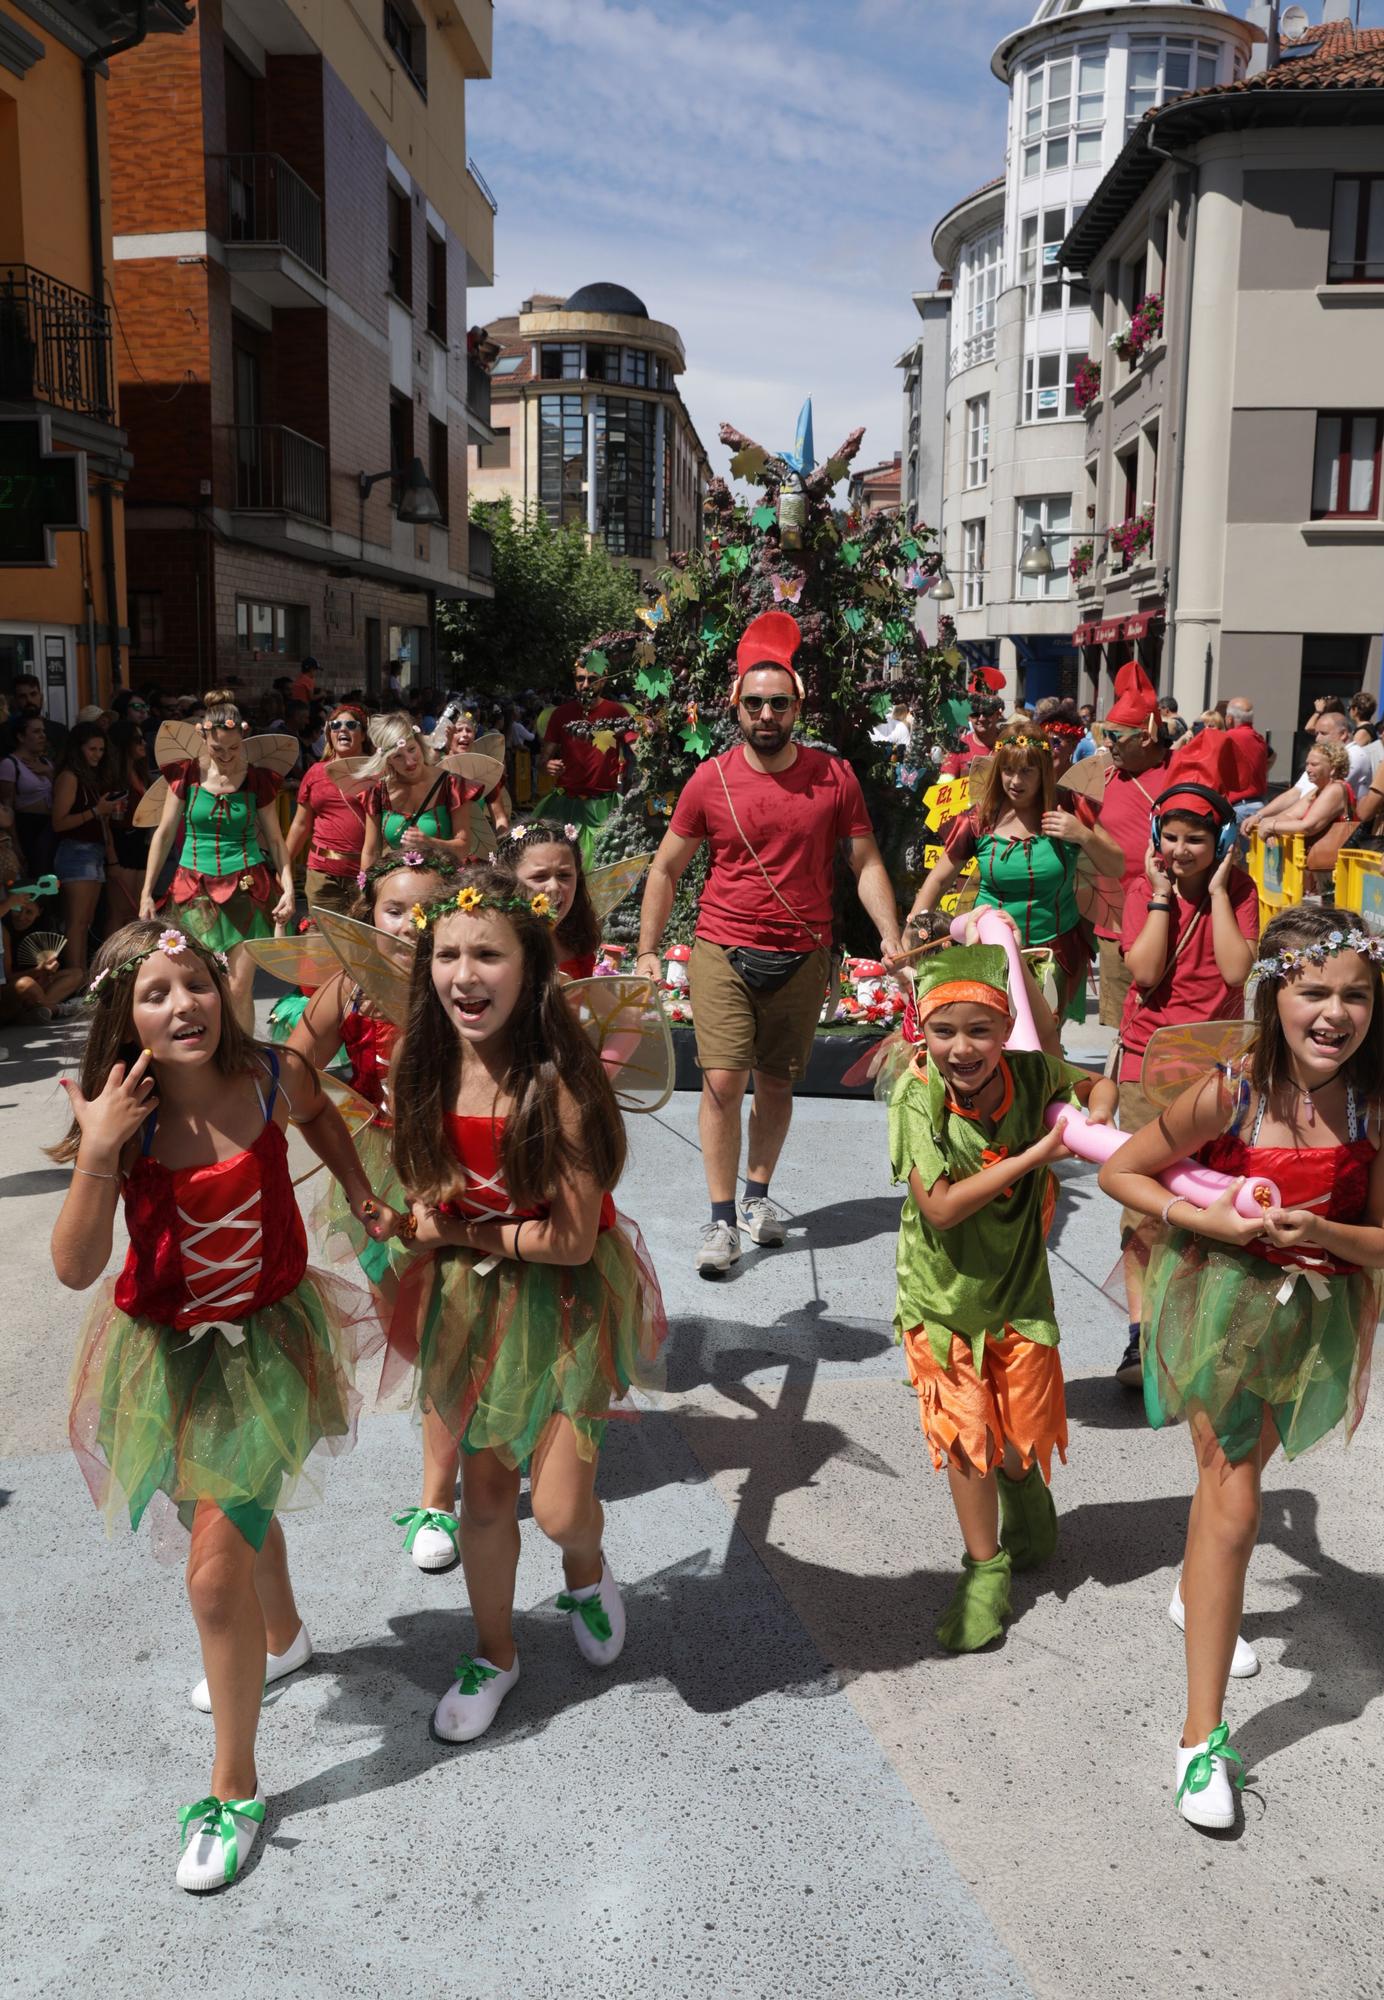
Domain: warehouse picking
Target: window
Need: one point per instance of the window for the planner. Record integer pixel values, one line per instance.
(603, 364)
(494, 456)
(561, 459)
(405, 34)
(1345, 473)
(1148, 469)
(625, 474)
(1053, 514)
(437, 286)
(508, 364)
(1054, 230)
(977, 440)
(438, 469)
(146, 623)
(1126, 486)
(560, 364)
(271, 628)
(1074, 364)
(1067, 91)
(400, 245)
(1042, 387)
(972, 565)
(1357, 230)
(1090, 105)
(978, 288)
(1161, 67)
(634, 367)
(400, 438)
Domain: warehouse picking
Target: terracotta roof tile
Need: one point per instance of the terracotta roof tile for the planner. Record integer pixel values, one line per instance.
(1335, 56)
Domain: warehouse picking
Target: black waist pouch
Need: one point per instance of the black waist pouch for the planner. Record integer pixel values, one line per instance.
(765, 971)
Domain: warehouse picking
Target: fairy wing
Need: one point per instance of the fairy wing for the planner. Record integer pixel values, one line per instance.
(492, 744)
(277, 753)
(346, 774)
(1188, 1052)
(357, 1111)
(307, 961)
(1100, 898)
(487, 772)
(609, 886)
(149, 811)
(178, 743)
(626, 1024)
(381, 965)
(1088, 776)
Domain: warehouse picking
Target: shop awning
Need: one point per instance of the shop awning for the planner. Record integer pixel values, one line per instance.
(1083, 635)
(1110, 633)
(1142, 623)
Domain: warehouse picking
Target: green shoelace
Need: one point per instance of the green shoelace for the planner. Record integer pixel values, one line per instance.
(415, 1518)
(217, 1821)
(591, 1611)
(1199, 1772)
(472, 1675)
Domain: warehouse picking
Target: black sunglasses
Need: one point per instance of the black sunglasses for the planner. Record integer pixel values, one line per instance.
(779, 703)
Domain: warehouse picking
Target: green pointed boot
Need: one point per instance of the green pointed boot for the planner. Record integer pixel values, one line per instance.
(979, 1606)
(1028, 1519)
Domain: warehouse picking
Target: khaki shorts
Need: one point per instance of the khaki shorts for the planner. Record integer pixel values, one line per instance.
(333, 892)
(737, 1028)
(1115, 982)
(1135, 1112)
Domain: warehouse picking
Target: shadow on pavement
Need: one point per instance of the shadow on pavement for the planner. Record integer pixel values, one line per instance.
(42, 1180)
(44, 1049)
(847, 1222)
(715, 1351)
(1099, 1402)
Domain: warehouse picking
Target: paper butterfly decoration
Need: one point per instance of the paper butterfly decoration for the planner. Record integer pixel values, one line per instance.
(787, 590)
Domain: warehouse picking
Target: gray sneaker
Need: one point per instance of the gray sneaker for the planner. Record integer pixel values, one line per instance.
(719, 1249)
(762, 1222)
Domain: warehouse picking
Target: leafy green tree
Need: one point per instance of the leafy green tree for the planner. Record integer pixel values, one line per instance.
(552, 591)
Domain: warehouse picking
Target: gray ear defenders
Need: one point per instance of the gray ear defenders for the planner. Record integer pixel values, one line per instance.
(1225, 812)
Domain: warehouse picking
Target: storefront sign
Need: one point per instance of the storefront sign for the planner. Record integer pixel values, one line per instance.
(41, 491)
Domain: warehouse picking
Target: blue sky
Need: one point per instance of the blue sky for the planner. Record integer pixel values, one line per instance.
(766, 178)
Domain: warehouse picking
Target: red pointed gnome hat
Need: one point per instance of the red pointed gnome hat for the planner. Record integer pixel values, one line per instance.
(1136, 703)
(770, 640)
(1208, 760)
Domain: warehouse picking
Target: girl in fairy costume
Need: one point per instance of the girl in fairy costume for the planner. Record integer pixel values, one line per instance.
(225, 889)
(975, 1307)
(544, 1309)
(1026, 847)
(413, 800)
(1258, 1331)
(216, 1365)
(548, 861)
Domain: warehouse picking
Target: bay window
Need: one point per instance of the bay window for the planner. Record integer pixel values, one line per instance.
(1053, 514)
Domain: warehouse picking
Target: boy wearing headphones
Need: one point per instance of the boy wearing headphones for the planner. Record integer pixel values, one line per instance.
(1188, 937)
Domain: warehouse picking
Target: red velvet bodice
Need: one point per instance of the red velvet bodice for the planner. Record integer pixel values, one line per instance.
(1333, 1180)
(478, 1145)
(369, 1041)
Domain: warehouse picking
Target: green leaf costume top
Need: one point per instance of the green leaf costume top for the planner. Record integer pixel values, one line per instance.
(991, 1271)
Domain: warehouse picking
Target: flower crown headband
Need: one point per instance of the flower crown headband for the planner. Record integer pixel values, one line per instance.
(1285, 963)
(1023, 743)
(440, 865)
(170, 942)
(470, 900)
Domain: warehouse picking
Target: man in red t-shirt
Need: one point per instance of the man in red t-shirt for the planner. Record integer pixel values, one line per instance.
(1251, 786)
(772, 812)
(587, 772)
(987, 720)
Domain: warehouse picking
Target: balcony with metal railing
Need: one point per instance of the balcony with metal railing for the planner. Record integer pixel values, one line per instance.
(271, 226)
(978, 347)
(276, 470)
(55, 345)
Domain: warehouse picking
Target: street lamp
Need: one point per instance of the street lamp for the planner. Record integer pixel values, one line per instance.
(418, 503)
(1036, 559)
(943, 590)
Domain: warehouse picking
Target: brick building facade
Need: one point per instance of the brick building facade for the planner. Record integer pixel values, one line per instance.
(296, 227)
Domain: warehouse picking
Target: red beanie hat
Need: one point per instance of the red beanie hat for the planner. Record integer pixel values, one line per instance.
(770, 640)
(1135, 701)
(1208, 759)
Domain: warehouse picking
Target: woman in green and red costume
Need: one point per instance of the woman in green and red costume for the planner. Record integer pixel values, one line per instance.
(234, 879)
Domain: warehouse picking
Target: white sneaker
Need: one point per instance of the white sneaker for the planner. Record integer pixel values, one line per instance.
(1204, 1793)
(432, 1537)
(217, 1837)
(276, 1666)
(762, 1222)
(598, 1618)
(473, 1700)
(1244, 1661)
(720, 1248)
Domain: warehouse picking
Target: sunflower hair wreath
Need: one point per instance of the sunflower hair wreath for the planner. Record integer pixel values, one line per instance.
(470, 900)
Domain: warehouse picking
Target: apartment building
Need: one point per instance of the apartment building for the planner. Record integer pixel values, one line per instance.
(297, 229)
(1232, 445)
(590, 426)
(1080, 76)
(62, 586)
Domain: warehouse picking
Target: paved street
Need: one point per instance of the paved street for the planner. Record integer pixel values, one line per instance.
(784, 1788)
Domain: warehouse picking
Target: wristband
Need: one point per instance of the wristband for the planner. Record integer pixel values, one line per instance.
(1168, 1207)
(518, 1232)
(408, 1228)
(92, 1175)
(1160, 906)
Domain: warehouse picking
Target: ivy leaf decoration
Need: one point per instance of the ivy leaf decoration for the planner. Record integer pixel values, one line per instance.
(895, 631)
(956, 712)
(696, 739)
(597, 662)
(881, 706)
(855, 617)
(655, 684)
(645, 651)
(850, 553)
(710, 633)
(749, 462)
(734, 562)
(953, 659)
(909, 549)
(763, 516)
(836, 469)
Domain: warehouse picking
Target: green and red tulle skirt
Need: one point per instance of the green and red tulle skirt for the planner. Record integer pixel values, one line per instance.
(221, 911)
(502, 1352)
(1229, 1336)
(163, 1419)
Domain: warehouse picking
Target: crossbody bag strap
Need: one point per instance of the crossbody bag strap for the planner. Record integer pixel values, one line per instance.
(774, 889)
(418, 811)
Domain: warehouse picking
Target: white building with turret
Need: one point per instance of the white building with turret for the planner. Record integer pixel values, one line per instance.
(1012, 442)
